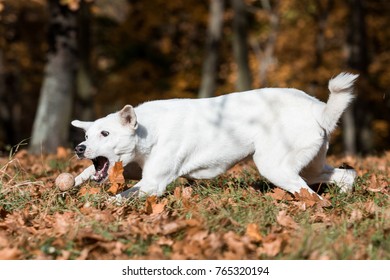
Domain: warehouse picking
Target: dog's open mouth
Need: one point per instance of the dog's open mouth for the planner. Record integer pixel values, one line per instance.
(101, 166)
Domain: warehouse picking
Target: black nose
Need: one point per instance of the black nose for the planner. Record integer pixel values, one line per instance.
(80, 149)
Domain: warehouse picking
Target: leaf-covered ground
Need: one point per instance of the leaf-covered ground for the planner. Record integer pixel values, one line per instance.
(236, 216)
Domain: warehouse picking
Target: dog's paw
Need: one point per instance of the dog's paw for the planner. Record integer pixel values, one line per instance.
(347, 180)
(121, 198)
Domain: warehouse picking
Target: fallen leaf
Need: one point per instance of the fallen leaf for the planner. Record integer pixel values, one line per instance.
(376, 184)
(165, 241)
(155, 252)
(149, 203)
(310, 199)
(186, 193)
(173, 227)
(279, 194)
(253, 232)
(62, 152)
(116, 178)
(152, 207)
(177, 192)
(272, 245)
(158, 208)
(193, 250)
(371, 207)
(63, 222)
(3, 240)
(356, 215)
(286, 221)
(88, 191)
(199, 236)
(9, 253)
(235, 244)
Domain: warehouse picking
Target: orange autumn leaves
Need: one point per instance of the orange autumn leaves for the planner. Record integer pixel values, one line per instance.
(115, 178)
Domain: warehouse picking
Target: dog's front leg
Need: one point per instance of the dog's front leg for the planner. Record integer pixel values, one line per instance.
(145, 188)
(148, 186)
(85, 175)
(155, 177)
(133, 192)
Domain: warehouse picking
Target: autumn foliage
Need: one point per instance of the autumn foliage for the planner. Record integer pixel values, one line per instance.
(236, 216)
(134, 51)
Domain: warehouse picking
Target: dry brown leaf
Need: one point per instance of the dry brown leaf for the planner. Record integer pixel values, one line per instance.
(186, 193)
(235, 244)
(116, 178)
(193, 250)
(371, 207)
(153, 207)
(3, 240)
(173, 227)
(65, 255)
(84, 254)
(199, 236)
(149, 203)
(310, 199)
(158, 208)
(88, 191)
(377, 184)
(279, 194)
(356, 215)
(9, 253)
(62, 152)
(286, 221)
(165, 241)
(177, 192)
(63, 222)
(253, 232)
(155, 252)
(271, 249)
(272, 245)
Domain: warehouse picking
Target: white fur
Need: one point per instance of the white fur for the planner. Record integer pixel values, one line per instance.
(286, 132)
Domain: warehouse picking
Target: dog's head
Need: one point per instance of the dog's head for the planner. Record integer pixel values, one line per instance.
(108, 140)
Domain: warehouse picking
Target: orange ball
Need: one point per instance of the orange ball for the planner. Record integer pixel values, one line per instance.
(65, 181)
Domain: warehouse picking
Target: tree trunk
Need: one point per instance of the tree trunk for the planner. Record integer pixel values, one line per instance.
(210, 64)
(349, 132)
(4, 111)
(10, 104)
(357, 120)
(324, 9)
(266, 56)
(84, 86)
(240, 45)
(320, 15)
(51, 124)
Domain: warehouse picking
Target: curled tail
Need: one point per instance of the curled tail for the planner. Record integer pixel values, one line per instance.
(340, 88)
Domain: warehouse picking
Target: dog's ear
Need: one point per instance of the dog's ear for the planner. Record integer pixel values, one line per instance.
(82, 125)
(128, 117)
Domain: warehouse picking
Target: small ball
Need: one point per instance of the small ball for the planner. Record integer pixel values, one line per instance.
(65, 181)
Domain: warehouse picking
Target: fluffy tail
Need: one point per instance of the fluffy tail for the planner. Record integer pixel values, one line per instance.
(340, 88)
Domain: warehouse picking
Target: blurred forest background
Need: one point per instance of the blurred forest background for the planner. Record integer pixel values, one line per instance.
(82, 59)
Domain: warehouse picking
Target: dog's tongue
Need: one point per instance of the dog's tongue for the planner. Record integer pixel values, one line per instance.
(101, 167)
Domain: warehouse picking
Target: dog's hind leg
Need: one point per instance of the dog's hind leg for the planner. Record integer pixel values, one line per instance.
(343, 178)
(317, 171)
(281, 174)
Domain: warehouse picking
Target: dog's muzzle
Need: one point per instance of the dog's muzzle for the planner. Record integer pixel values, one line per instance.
(80, 149)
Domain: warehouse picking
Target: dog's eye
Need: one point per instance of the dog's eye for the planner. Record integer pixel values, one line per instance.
(86, 136)
(105, 133)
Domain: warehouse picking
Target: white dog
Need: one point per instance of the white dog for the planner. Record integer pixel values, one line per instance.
(285, 130)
